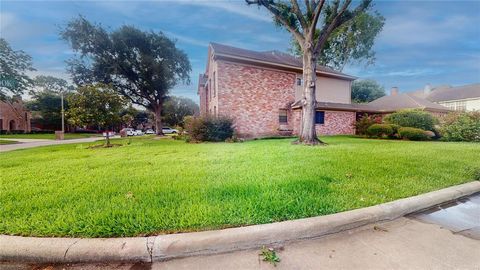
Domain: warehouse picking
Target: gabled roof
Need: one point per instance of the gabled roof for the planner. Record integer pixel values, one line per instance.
(455, 93)
(274, 58)
(405, 101)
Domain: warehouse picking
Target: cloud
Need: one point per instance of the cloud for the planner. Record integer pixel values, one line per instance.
(186, 39)
(235, 7)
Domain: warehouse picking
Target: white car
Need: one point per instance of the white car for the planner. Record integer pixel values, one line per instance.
(110, 134)
(149, 131)
(168, 130)
(130, 132)
(139, 132)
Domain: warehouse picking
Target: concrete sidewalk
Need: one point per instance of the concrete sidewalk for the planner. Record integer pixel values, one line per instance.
(419, 241)
(31, 143)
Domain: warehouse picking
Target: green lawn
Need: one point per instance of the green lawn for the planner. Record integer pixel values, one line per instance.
(7, 142)
(68, 136)
(152, 186)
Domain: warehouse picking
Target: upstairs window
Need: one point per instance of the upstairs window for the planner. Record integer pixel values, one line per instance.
(299, 82)
(282, 116)
(319, 117)
(214, 87)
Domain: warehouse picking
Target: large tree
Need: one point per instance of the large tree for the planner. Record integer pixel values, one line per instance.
(14, 66)
(366, 90)
(351, 43)
(302, 20)
(176, 108)
(142, 66)
(95, 105)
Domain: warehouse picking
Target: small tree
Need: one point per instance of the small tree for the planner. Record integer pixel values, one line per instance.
(13, 67)
(176, 108)
(95, 105)
(301, 20)
(364, 91)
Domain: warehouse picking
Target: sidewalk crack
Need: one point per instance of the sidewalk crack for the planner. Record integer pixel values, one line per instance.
(71, 245)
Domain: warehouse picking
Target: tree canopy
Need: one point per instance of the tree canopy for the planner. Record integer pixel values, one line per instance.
(95, 105)
(14, 66)
(364, 91)
(353, 42)
(141, 66)
(51, 84)
(176, 108)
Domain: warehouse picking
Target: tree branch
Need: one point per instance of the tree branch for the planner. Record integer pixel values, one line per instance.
(298, 14)
(267, 4)
(328, 28)
(316, 15)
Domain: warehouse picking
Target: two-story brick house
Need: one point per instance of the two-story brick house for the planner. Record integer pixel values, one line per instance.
(260, 92)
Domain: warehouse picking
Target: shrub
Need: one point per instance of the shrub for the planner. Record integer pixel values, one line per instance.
(464, 126)
(412, 118)
(380, 130)
(365, 122)
(214, 129)
(413, 134)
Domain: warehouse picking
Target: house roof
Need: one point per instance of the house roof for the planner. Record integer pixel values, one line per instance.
(405, 101)
(455, 93)
(274, 58)
(354, 107)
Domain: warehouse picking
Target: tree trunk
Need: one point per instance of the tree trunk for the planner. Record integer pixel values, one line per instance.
(158, 120)
(308, 134)
(107, 138)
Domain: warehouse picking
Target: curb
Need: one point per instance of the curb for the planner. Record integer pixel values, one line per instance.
(164, 247)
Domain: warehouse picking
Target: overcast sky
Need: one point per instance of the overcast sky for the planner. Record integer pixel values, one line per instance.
(436, 42)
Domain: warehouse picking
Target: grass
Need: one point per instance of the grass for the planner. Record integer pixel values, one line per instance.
(152, 186)
(68, 136)
(7, 142)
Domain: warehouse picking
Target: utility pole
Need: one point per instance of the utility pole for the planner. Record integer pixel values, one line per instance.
(63, 113)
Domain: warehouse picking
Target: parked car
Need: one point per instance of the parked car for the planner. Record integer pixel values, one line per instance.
(168, 130)
(130, 132)
(139, 132)
(110, 134)
(149, 131)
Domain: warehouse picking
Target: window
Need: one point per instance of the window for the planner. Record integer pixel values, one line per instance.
(460, 105)
(282, 116)
(214, 87)
(299, 82)
(319, 117)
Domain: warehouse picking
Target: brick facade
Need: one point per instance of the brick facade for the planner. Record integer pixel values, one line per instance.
(14, 116)
(253, 96)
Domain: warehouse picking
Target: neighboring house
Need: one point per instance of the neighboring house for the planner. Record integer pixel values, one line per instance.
(14, 116)
(398, 101)
(260, 91)
(458, 98)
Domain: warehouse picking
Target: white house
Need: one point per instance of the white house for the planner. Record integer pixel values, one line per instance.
(458, 98)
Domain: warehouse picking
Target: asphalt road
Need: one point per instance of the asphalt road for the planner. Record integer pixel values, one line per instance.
(444, 237)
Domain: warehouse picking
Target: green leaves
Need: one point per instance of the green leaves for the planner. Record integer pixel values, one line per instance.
(13, 68)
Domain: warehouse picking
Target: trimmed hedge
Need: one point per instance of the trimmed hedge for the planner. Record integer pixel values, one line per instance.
(412, 118)
(213, 129)
(380, 130)
(413, 134)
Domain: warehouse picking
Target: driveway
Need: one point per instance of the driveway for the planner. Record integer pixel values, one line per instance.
(30, 143)
(444, 237)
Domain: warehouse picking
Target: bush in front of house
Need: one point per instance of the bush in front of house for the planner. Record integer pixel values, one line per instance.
(461, 126)
(362, 124)
(380, 130)
(212, 129)
(413, 134)
(412, 118)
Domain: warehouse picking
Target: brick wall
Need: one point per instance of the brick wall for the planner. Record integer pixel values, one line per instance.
(253, 96)
(14, 116)
(336, 123)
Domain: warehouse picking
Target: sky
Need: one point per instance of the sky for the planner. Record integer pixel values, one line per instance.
(436, 42)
